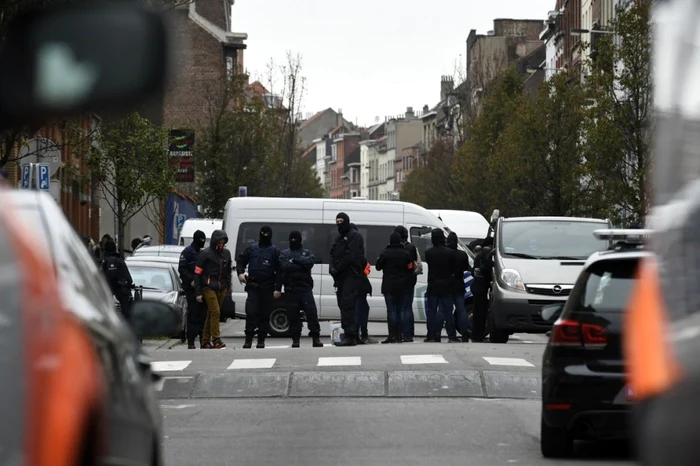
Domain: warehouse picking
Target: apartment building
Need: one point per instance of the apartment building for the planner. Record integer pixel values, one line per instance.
(342, 154)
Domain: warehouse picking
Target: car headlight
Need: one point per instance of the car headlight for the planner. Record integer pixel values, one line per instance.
(512, 279)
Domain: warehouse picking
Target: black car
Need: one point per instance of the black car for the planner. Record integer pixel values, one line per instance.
(584, 391)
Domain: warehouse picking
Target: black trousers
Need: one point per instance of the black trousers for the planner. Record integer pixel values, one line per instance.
(298, 301)
(125, 304)
(258, 307)
(348, 289)
(196, 315)
(481, 308)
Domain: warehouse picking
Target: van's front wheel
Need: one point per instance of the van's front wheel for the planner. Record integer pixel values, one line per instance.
(279, 322)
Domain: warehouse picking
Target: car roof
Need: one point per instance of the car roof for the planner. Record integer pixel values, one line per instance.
(159, 250)
(150, 260)
(624, 254)
(560, 219)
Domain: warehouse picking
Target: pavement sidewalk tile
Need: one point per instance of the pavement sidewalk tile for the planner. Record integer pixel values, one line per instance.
(512, 385)
(241, 385)
(338, 384)
(435, 384)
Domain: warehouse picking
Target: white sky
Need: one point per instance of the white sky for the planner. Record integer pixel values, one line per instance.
(371, 58)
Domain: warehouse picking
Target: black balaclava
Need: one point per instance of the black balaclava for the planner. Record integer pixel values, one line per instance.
(199, 239)
(354, 227)
(295, 240)
(265, 236)
(452, 240)
(343, 228)
(437, 237)
(403, 232)
(110, 247)
(395, 238)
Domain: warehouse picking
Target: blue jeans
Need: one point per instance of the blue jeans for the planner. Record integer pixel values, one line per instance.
(408, 329)
(461, 313)
(441, 309)
(395, 309)
(362, 313)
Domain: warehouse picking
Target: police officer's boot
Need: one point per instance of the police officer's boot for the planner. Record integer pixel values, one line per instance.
(316, 340)
(248, 342)
(261, 342)
(295, 342)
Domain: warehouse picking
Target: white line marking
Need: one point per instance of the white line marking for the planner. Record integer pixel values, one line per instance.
(177, 406)
(252, 364)
(277, 347)
(347, 361)
(526, 341)
(169, 366)
(508, 362)
(423, 359)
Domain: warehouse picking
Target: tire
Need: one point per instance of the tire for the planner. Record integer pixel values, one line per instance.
(496, 335)
(279, 323)
(555, 442)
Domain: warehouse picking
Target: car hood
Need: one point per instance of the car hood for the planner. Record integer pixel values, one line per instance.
(169, 297)
(545, 271)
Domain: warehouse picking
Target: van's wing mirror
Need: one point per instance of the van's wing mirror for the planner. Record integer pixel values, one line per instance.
(67, 58)
(551, 312)
(495, 215)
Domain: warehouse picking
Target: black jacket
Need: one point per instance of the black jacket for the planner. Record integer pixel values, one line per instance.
(397, 264)
(117, 274)
(188, 262)
(461, 266)
(483, 272)
(295, 270)
(347, 255)
(441, 266)
(213, 267)
(414, 257)
(268, 281)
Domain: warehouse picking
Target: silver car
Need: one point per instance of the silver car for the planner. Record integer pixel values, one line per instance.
(536, 263)
(160, 281)
(163, 250)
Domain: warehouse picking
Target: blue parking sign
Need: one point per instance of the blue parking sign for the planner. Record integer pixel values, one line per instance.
(180, 220)
(43, 176)
(26, 176)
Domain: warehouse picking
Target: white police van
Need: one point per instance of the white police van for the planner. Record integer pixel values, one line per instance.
(315, 219)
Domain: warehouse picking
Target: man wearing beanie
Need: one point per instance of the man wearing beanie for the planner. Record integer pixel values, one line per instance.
(261, 284)
(196, 311)
(118, 277)
(295, 269)
(346, 268)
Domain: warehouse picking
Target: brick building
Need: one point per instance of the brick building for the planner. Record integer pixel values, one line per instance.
(343, 144)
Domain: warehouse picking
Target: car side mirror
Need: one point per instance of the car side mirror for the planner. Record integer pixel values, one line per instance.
(551, 312)
(70, 57)
(151, 319)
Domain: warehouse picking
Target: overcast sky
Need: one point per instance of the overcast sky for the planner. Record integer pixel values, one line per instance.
(370, 58)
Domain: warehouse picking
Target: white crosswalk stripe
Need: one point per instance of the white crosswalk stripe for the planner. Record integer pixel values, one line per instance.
(345, 361)
(252, 363)
(423, 359)
(520, 362)
(169, 366)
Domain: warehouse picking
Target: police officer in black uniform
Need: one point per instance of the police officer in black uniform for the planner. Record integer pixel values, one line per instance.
(346, 268)
(261, 283)
(118, 276)
(483, 275)
(196, 311)
(295, 268)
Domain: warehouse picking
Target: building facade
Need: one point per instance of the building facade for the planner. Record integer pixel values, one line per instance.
(343, 145)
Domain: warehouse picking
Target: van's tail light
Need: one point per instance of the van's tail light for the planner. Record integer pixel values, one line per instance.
(575, 334)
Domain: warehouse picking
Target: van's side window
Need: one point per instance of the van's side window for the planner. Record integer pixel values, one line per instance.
(421, 241)
(313, 237)
(376, 239)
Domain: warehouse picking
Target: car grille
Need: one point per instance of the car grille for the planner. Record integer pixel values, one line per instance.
(546, 290)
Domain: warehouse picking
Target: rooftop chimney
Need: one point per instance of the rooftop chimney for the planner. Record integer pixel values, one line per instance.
(490, 33)
(340, 121)
(409, 113)
(447, 85)
(426, 109)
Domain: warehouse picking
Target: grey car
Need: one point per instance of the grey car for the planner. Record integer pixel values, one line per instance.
(163, 250)
(536, 263)
(160, 281)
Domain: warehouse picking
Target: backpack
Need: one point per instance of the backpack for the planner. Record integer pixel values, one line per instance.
(110, 266)
(262, 262)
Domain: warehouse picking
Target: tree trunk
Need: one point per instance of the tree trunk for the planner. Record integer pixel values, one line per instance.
(120, 222)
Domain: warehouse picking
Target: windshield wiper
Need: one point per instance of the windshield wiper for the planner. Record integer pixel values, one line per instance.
(521, 255)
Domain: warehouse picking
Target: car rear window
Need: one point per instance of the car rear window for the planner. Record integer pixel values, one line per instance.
(607, 286)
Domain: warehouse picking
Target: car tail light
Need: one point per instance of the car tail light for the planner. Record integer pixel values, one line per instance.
(575, 334)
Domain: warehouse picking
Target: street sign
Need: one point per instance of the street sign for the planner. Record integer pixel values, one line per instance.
(43, 176)
(180, 221)
(41, 150)
(27, 170)
(242, 191)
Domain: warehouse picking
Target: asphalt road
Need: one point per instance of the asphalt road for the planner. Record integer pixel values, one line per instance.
(412, 403)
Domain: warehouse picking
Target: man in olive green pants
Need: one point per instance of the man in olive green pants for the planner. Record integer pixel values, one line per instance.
(213, 272)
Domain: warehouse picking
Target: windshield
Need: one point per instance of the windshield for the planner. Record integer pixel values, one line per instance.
(550, 239)
(152, 277)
